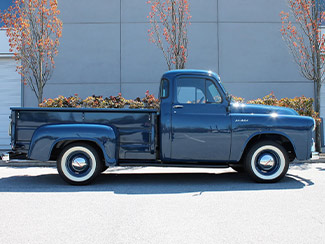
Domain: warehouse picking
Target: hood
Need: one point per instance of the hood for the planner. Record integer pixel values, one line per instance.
(260, 109)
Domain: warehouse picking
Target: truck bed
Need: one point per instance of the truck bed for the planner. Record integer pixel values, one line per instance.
(136, 127)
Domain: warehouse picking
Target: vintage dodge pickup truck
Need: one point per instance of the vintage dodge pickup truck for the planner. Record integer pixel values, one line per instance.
(197, 126)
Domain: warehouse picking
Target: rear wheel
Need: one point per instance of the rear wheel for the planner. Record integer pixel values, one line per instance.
(267, 161)
(79, 164)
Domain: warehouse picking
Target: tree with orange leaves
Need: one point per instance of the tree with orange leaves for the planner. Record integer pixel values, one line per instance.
(169, 20)
(34, 29)
(301, 32)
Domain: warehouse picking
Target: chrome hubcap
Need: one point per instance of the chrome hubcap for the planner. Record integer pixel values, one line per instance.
(267, 161)
(79, 164)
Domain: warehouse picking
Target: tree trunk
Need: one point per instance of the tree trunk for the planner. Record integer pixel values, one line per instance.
(40, 96)
(40, 83)
(318, 142)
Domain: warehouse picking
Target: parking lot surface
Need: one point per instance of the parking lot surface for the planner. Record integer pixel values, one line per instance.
(162, 205)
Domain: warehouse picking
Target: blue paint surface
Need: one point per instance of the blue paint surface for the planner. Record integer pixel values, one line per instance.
(206, 129)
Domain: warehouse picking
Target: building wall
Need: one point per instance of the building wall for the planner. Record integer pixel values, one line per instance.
(10, 89)
(105, 49)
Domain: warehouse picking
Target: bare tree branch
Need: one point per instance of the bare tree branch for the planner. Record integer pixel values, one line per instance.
(169, 20)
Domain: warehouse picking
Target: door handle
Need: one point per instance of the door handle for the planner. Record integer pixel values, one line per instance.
(178, 106)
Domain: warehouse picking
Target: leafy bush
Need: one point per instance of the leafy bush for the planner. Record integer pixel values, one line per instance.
(270, 100)
(238, 99)
(149, 101)
(100, 102)
(62, 102)
(303, 105)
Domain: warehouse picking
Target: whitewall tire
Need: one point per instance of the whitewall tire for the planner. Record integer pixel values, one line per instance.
(267, 161)
(79, 164)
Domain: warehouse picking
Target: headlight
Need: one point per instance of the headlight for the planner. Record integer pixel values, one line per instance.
(314, 124)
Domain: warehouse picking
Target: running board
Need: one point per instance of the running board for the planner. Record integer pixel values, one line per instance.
(174, 165)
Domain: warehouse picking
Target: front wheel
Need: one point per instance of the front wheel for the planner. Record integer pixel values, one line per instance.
(79, 164)
(267, 161)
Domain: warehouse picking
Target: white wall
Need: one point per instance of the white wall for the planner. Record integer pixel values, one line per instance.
(10, 92)
(4, 45)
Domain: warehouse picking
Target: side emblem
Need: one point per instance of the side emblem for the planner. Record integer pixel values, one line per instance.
(241, 120)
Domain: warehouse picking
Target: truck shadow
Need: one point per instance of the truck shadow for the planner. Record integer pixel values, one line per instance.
(162, 183)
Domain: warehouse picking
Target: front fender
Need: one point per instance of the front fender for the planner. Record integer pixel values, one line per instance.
(236, 157)
(46, 137)
(296, 129)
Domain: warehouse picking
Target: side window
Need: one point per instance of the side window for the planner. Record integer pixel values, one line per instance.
(196, 91)
(213, 95)
(190, 90)
(164, 88)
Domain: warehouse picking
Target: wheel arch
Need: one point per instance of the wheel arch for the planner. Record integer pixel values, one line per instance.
(278, 137)
(57, 147)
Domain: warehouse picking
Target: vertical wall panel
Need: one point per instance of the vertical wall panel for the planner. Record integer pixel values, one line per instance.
(10, 97)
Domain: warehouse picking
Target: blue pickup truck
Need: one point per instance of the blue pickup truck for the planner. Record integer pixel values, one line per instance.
(197, 125)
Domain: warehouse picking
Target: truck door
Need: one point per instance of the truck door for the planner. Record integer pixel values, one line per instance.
(200, 122)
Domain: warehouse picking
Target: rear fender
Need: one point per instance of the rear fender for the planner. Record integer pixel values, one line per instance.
(46, 137)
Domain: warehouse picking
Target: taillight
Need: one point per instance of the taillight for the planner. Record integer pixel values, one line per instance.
(10, 124)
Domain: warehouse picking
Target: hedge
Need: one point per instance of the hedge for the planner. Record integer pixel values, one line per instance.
(303, 105)
(149, 101)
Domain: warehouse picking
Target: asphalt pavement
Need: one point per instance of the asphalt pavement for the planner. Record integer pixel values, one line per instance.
(162, 205)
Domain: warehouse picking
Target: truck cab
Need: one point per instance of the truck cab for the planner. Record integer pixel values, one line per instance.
(194, 118)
